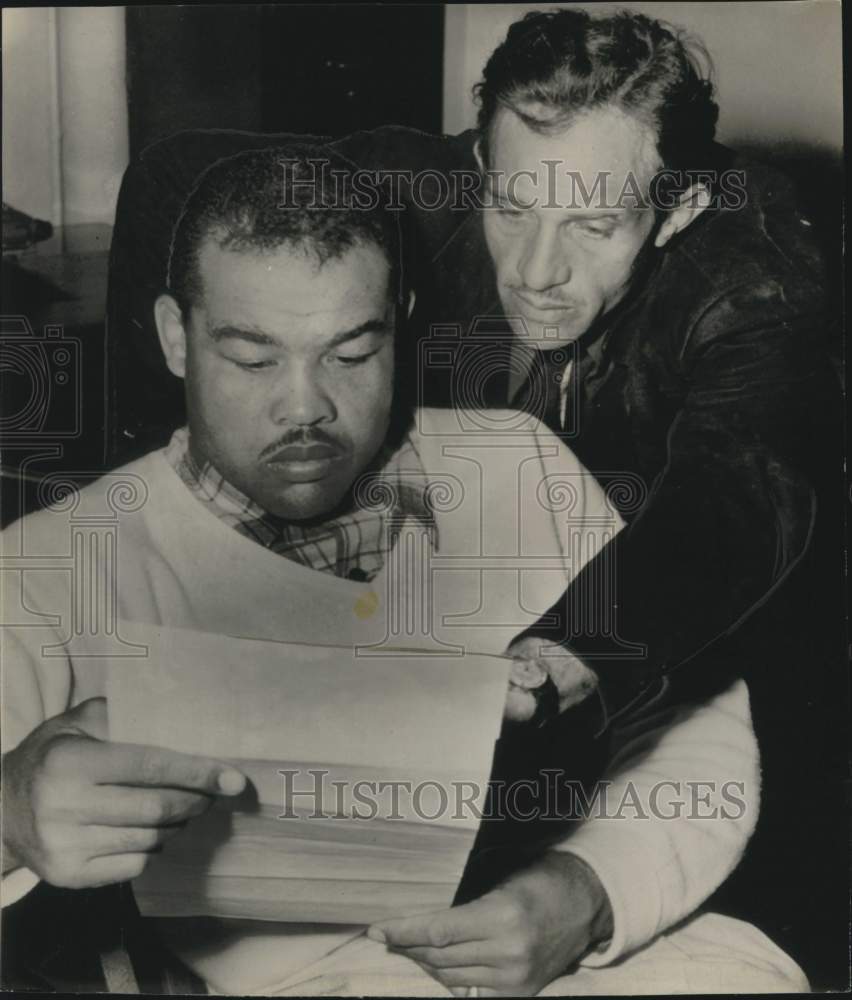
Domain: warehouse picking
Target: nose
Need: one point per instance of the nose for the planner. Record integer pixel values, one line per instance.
(300, 398)
(543, 262)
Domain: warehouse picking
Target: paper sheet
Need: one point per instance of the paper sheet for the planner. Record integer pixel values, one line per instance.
(385, 757)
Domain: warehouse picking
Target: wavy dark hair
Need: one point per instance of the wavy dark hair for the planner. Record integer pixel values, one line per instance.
(556, 64)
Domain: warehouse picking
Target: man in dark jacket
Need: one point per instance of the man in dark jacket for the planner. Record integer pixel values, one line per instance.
(670, 324)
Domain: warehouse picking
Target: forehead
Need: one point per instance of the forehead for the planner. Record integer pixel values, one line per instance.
(603, 143)
(270, 289)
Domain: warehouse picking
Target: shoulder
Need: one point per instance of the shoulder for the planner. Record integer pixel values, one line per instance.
(520, 454)
(754, 226)
(758, 235)
(111, 497)
(748, 263)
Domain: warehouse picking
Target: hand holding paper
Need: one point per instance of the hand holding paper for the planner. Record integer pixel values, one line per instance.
(515, 939)
(367, 773)
(81, 811)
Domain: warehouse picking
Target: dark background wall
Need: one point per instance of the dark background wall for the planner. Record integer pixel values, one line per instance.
(313, 68)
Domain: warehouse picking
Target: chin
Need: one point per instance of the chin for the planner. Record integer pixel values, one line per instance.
(544, 336)
(304, 502)
(538, 333)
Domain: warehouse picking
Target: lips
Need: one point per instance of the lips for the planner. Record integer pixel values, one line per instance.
(545, 306)
(303, 453)
(304, 463)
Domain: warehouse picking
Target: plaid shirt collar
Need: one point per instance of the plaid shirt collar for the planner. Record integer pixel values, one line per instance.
(353, 545)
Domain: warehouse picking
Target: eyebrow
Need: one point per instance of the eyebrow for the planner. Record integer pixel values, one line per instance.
(368, 326)
(249, 333)
(254, 335)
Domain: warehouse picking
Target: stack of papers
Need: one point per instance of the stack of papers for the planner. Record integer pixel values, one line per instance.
(367, 773)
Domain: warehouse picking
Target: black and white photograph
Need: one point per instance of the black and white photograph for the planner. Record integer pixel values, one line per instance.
(423, 510)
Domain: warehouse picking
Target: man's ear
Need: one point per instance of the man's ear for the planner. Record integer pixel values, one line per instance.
(691, 204)
(170, 327)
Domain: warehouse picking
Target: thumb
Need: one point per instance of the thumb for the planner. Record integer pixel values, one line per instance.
(90, 718)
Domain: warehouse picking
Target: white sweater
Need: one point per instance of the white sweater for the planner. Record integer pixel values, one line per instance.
(517, 518)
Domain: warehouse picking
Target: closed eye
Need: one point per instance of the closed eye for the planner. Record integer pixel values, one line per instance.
(596, 230)
(251, 366)
(351, 360)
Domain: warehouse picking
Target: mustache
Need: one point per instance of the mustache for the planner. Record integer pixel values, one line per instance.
(543, 301)
(303, 438)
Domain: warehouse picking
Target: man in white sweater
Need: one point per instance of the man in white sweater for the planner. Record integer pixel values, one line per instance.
(261, 519)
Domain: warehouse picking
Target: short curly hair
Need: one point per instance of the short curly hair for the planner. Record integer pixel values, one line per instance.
(554, 65)
(299, 196)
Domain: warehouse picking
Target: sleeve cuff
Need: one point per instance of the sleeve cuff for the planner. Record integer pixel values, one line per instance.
(616, 854)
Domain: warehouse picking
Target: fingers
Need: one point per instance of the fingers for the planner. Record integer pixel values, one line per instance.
(142, 807)
(480, 944)
(454, 955)
(533, 656)
(113, 868)
(90, 718)
(106, 841)
(529, 647)
(459, 981)
(480, 976)
(520, 705)
(136, 765)
(471, 922)
(541, 652)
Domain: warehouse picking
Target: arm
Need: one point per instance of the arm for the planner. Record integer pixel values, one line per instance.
(32, 688)
(730, 514)
(621, 880)
(78, 810)
(626, 880)
(693, 782)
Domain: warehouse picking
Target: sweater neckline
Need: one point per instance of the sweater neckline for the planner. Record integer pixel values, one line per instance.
(213, 524)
